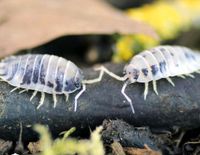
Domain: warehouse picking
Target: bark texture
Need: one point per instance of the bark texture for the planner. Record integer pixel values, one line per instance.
(174, 106)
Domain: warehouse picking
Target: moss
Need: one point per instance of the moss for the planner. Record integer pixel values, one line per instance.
(70, 146)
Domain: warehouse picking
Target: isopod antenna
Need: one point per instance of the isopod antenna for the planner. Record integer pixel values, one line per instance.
(127, 98)
(105, 70)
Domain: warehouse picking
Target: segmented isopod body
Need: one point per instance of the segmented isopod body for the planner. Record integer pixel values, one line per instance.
(42, 73)
(157, 63)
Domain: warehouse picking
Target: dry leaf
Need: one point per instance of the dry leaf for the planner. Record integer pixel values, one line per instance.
(117, 148)
(137, 151)
(34, 147)
(5, 146)
(28, 23)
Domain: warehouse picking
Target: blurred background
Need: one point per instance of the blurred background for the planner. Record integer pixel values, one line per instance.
(96, 31)
(90, 32)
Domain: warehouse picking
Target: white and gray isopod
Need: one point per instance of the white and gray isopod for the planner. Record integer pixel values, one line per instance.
(43, 73)
(154, 64)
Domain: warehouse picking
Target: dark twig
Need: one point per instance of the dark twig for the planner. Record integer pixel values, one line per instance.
(174, 106)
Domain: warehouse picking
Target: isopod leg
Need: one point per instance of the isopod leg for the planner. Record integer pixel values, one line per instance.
(66, 97)
(22, 91)
(181, 76)
(34, 93)
(41, 100)
(198, 71)
(146, 88)
(127, 98)
(54, 100)
(155, 87)
(14, 89)
(77, 96)
(170, 81)
(103, 70)
(190, 75)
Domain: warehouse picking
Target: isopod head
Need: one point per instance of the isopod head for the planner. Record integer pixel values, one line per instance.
(74, 83)
(131, 73)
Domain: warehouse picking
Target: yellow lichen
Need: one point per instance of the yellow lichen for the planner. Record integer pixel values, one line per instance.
(70, 146)
(190, 9)
(168, 18)
(128, 45)
(162, 16)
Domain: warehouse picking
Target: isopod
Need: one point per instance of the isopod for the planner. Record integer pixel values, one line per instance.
(43, 73)
(154, 64)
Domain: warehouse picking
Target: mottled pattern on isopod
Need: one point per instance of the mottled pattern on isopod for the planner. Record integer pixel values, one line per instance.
(154, 64)
(44, 73)
(162, 62)
(157, 63)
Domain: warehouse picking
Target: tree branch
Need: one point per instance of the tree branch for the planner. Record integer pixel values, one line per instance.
(174, 106)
